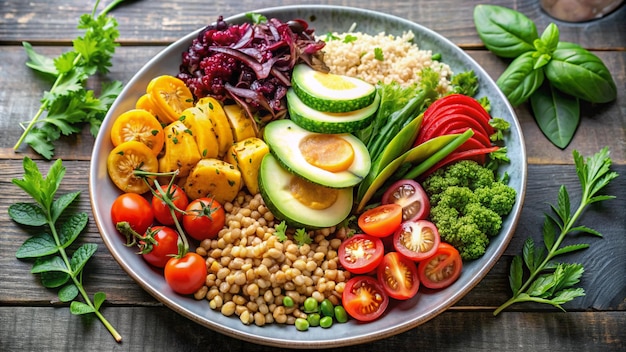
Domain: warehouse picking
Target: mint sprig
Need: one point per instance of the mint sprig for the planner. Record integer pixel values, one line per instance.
(548, 281)
(56, 264)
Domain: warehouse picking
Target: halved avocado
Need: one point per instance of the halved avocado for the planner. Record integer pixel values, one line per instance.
(298, 202)
(284, 139)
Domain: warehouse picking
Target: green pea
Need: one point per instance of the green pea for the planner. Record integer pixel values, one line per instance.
(288, 301)
(326, 322)
(340, 314)
(302, 324)
(310, 305)
(313, 319)
(327, 308)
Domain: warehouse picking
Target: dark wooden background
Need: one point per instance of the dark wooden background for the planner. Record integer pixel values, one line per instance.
(31, 318)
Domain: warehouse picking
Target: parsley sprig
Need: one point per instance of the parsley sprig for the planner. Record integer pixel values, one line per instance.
(548, 281)
(69, 105)
(58, 228)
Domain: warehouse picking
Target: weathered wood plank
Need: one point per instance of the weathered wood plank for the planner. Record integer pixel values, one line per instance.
(159, 329)
(22, 92)
(160, 22)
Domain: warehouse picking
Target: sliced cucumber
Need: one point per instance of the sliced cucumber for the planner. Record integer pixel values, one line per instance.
(329, 92)
(329, 122)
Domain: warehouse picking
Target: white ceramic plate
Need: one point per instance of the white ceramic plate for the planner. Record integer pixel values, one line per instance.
(400, 316)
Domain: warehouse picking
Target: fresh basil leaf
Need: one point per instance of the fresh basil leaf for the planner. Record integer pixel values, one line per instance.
(578, 72)
(505, 32)
(556, 114)
(520, 80)
(37, 246)
(549, 40)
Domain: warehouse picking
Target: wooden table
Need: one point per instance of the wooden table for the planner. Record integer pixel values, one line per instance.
(32, 318)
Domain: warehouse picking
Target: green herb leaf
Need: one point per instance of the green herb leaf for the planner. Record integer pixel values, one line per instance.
(98, 299)
(520, 79)
(378, 54)
(516, 273)
(302, 237)
(71, 228)
(80, 308)
(281, 233)
(54, 279)
(27, 214)
(349, 38)
(557, 114)
(256, 18)
(505, 32)
(44, 264)
(39, 62)
(82, 255)
(37, 246)
(578, 72)
(59, 205)
(68, 292)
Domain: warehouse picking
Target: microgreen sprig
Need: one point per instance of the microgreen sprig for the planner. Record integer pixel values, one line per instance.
(550, 282)
(53, 262)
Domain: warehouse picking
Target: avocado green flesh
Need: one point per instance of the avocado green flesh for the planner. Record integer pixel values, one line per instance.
(319, 97)
(274, 183)
(329, 122)
(283, 138)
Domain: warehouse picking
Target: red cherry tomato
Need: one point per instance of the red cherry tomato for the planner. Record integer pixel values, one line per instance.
(162, 210)
(364, 298)
(416, 239)
(165, 247)
(382, 220)
(186, 275)
(441, 269)
(361, 253)
(411, 196)
(134, 209)
(398, 276)
(204, 218)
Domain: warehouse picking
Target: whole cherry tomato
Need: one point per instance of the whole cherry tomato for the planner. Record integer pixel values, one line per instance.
(162, 211)
(204, 218)
(186, 275)
(134, 209)
(166, 246)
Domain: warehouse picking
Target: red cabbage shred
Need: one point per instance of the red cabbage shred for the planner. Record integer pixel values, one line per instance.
(249, 64)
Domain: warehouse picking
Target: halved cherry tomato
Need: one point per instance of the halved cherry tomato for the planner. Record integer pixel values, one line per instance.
(204, 218)
(416, 239)
(398, 276)
(381, 221)
(159, 253)
(186, 275)
(161, 209)
(411, 196)
(364, 298)
(361, 253)
(133, 209)
(138, 125)
(169, 97)
(441, 269)
(127, 157)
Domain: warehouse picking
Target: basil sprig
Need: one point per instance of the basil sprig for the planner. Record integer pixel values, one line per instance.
(553, 74)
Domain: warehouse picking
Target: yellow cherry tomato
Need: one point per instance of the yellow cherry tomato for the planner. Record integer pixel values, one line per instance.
(127, 157)
(138, 125)
(169, 97)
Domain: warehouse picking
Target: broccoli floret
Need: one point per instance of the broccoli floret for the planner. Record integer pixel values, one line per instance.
(467, 205)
